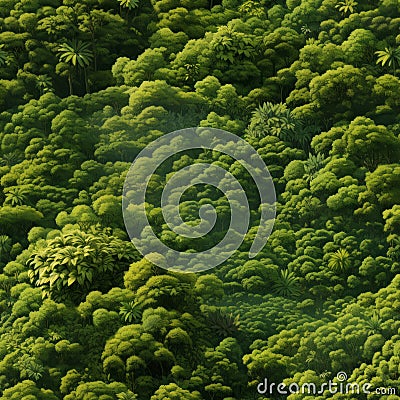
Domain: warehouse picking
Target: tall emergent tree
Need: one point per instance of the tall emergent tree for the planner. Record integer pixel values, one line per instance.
(389, 56)
(77, 54)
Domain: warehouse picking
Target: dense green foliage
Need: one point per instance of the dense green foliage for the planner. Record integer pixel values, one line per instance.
(84, 86)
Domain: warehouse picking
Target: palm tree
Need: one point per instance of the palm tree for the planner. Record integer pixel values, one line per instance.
(11, 158)
(128, 4)
(340, 260)
(77, 54)
(272, 119)
(313, 164)
(16, 196)
(224, 325)
(305, 30)
(131, 4)
(34, 371)
(29, 367)
(346, 6)
(130, 311)
(286, 284)
(374, 323)
(389, 56)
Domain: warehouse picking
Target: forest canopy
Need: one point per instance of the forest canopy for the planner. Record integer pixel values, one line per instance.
(312, 85)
